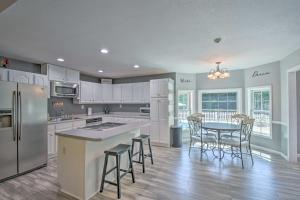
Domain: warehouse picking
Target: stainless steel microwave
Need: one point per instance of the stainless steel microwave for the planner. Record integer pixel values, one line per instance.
(62, 89)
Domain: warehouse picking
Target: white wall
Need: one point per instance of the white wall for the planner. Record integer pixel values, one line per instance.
(286, 64)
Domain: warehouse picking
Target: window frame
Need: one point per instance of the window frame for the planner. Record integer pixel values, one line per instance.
(229, 90)
(248, 104)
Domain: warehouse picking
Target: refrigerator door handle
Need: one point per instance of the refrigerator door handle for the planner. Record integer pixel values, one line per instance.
(19, 115)
(14, 123)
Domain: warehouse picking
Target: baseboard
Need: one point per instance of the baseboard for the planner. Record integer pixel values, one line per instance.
(69, 195)
(159, 144)
(270, 151)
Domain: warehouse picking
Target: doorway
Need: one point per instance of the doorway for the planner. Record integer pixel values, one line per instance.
(185, 107)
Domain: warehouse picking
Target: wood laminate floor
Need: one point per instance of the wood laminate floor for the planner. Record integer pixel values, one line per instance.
(175, 176)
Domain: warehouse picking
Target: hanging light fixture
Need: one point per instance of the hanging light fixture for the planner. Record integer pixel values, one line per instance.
(218, 73)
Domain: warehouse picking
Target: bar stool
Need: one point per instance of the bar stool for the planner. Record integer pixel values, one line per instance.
(117, 151)
(141, 139)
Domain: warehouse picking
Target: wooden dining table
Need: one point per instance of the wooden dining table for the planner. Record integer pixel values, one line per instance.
(220, 127)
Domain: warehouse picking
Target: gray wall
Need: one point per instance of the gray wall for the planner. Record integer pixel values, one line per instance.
(144, 78)
(23, 66)
(236, 80)
(272, 79)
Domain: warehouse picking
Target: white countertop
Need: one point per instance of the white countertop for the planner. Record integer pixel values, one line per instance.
(98, 135)
(80, 117)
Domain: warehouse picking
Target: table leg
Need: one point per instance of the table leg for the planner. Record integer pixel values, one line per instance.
(219, 145)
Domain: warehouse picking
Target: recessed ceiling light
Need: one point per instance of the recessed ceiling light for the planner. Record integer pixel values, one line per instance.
(100, 71)
(60, 59)
(136, 66)
(104, 51)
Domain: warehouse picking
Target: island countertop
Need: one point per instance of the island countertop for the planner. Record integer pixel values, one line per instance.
(98, 135)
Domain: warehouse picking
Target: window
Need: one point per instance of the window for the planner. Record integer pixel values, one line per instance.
(260, 108)
(219, 105)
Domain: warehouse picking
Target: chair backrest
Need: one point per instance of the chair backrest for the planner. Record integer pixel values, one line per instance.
(246, 129)
(195, 123)
(238, 118)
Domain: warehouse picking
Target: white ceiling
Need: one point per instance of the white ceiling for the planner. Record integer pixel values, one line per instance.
(159, 35)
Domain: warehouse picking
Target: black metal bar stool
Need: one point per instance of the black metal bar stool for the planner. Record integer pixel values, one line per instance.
(141, 139)
(117, 151)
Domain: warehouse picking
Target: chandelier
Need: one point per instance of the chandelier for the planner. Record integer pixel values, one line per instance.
(218, 73)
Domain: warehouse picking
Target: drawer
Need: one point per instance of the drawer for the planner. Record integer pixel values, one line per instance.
(64, 126)
(79, 124)
(51, 128)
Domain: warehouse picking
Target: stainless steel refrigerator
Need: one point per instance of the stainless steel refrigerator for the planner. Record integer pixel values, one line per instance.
(23, 128)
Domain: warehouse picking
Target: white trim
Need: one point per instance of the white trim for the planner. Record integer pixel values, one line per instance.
(270, 151)
(279, 123)
(237, 90)
(70, 195)
(247, 107)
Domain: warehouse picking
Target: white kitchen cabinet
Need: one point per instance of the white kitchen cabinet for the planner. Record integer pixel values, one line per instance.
(97, 92)
(51, 144)
(85, 92)
(117, 93)
(126, 93)
(146, 92)
(161, 110)
(107, 93)
(79, 124)
(3, 74)
(57, 73)
(20, 76)
(41, 80)
(154, 132)
(161, 87)
(72, 76)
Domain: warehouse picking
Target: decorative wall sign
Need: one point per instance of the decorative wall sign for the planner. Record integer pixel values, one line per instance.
(183, 80)
(258, 74)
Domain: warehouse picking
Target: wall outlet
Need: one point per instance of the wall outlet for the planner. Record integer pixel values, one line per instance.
(120, 105)
(82, 107)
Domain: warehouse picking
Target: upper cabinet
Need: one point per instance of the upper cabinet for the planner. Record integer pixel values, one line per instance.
(161, 87)
(117, 93)
(3, 74)
(127, 93)
(20, 77)
(107, 93)
(57, 73)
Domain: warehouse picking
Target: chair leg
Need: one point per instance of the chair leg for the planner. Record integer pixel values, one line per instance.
(140, 152)
(150, 149)
(241, 153)
(131, 167)
(190, 148)
(118, 176)
(201, 150)
(250, 150)
(143, 157)
(104, 173)
(132, 149)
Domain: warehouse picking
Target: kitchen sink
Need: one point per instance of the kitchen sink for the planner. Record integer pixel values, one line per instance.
(105, 125)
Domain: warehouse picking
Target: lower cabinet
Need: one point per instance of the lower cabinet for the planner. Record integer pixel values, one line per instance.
(160, 132)
(52, 138)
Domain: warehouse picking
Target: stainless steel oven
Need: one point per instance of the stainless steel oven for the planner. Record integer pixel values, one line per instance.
(61, 89)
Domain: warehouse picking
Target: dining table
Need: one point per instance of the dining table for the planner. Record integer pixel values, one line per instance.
(219, 127)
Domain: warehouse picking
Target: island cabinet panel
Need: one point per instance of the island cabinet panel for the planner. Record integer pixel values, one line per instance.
(80, 163)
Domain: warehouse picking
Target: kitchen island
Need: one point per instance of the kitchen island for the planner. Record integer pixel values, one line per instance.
(81, 156)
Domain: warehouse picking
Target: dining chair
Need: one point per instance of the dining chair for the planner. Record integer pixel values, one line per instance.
(235, 119)
(198, 135)
(243, 140)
